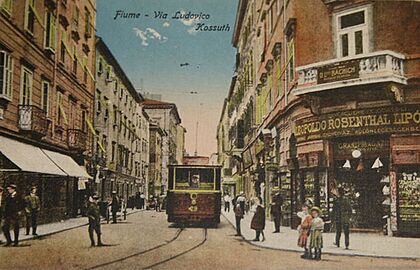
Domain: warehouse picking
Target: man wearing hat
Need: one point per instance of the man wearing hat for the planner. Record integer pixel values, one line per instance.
(13, 205)
(276, 211)
(33, 205)
(115, 206)
(94, 220)
(239, 209)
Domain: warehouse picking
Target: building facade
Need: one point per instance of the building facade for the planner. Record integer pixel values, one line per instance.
(155, 167)
(166, 116)
(337, 90)
(47, 62)
(121, 128)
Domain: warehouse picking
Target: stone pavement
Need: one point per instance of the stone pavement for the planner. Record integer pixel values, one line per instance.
(56, 227)
(361, 244)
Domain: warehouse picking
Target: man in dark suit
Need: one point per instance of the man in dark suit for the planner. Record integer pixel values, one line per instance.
(115, 206)
(94, 220)
(13, 205)
(276, 211)
(342, 211)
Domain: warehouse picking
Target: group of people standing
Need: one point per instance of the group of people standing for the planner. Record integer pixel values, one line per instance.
(13, 208)
(311, 226)
(258, 220)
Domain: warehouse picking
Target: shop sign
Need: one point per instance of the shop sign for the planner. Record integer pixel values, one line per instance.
(374, 121)
(365, 146)
(409, 202)
(339, 71)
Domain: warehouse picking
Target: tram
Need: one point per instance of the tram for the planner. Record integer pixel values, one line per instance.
(194, 195)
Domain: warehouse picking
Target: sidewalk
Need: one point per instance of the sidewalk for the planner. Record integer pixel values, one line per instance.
(361, 244)
(52, 228)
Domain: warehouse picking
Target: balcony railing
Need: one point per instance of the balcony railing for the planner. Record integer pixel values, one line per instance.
(33, 119)
(377, 67)
(76, 139)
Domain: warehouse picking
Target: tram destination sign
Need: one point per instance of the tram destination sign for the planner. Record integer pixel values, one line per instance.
(373, 121)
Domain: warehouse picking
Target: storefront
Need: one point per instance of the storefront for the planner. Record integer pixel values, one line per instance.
(374, 155)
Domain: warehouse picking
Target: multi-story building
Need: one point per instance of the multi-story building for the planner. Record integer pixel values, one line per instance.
(47, 61)
(155, 167)
(180, 143)
(336, 101)
(121, 152)
(166, 116)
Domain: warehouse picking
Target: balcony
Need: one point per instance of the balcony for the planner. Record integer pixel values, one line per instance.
(377, 67)
(76, 139)
(33, 120)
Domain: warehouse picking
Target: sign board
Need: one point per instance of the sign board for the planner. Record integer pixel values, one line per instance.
(338, 72)
(364, 122)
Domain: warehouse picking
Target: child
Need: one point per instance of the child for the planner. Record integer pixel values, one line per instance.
(317, 227)
(305, 225)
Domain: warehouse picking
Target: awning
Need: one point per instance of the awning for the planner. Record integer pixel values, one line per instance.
(67, 164)
(27, 157)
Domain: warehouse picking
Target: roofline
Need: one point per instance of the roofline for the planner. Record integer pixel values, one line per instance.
(171, 106)
(105, 51)
(240, 12)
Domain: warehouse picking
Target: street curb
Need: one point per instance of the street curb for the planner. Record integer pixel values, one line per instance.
(325, 253)
(40, 236)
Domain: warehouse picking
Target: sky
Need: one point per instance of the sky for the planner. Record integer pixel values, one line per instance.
(151, 49)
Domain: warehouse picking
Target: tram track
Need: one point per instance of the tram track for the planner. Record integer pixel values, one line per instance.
(156, 249)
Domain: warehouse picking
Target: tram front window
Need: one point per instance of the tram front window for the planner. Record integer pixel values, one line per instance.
(194, 179)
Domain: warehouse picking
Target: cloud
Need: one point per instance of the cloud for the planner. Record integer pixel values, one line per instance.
(192, 30)
(148, 34)
(166, 24)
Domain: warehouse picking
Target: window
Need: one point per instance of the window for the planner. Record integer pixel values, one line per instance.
(30, 16)
(116, 87)
(59, 108)
(352, 33)
(98, 102)
(62, 52)
(88, 28)
(113, 151)
(106, 115)
(6, 74)
(45, 96)
(50, 31)
(121, 93)
(100, 66)
(26, 86)
(291, 59)
(84, 120)
(75, 23)
(7, 5)
(108, 73)
(74, 60)
(270, 20)
(115, 115)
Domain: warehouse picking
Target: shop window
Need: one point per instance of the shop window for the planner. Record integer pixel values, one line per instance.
(45, 96)
(352, 32)
(26, 86)
(50, 31)
(6, 74)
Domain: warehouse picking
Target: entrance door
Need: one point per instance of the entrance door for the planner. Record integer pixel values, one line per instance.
(364, 189)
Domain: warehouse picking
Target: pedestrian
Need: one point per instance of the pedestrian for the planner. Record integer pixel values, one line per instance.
(239, 210)
(342, 211)
(227, 200)
(13, 205)
(276, 211)
(115, 206)
(157, 203)
(33, 206)
(258, 220)
(317, 227)
(303, 229)
(137, 200)
(1, 207)
(142, 200)
(94, 220)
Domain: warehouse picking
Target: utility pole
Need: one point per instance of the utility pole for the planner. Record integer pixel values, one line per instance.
(196, 138)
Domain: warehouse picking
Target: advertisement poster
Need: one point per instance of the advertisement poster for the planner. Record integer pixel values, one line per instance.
(209, 134)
